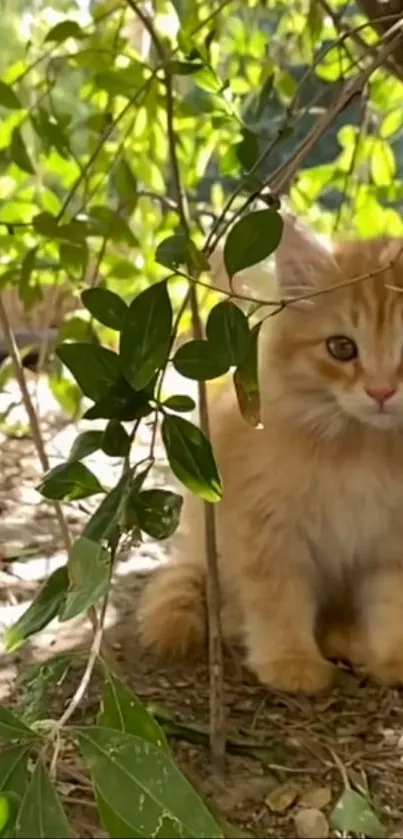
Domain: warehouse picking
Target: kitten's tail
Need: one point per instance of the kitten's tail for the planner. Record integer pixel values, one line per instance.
(172, 610)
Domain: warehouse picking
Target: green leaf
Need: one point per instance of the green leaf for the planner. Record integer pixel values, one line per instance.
(180, 403)
(8, 98)
(126, 184)
(41, 813)
(45, 224)
(114, 825)
(157, 511)
(13, 768)
(247, 151)
(94, 368)
(184, 68)
(391, 123)
(115, 440)
(382, 163)
(12, 728)
(140, 783)
(89, 573)
(228, 332)
(42, 610)
(253, 238)
(120, 709)
(104, 524)
(246, 381)
(122, 403)
(146, 335)
(354, 814)
(28, 265)
(191, 457)
(19, 154)
(106, 306)
(178, 250)
(63, 30)
(69, 482)
(9, 807)
(198, 360)
(264, 95)
(85, 444)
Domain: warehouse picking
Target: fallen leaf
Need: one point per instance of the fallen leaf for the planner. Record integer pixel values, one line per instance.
(317, 797)
(311, 823)
(282, 797)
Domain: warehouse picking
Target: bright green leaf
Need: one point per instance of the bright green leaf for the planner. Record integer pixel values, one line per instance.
(253, 238)
(85, 444)
(228, 333)
(42, 610)
(354, 814)
(89, 574)
(69, 482)
(41, 814)
(146, 335)
(106, 306)
(198, 360)
(115, 440)
(391, 123)
(96, 369)
(19, 154)
(191, 458)
(383, 163)
(142, 785)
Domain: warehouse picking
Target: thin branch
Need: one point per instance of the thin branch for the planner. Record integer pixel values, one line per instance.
(216, 667)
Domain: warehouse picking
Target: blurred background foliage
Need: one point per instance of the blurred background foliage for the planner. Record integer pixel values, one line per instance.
(86, 192)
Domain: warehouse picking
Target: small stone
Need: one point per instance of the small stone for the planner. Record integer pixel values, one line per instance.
(311, 824)
(282, 797)
(317, 797)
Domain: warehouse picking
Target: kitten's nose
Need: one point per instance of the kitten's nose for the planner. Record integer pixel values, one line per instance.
(380, 394)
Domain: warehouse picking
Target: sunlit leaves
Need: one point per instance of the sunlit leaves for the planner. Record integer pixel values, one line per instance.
(69, 482)
(383, 163)
(252, 239)
(191, 458)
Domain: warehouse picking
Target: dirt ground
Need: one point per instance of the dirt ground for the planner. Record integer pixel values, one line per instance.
(285, 754)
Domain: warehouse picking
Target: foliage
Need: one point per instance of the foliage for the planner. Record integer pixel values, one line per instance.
(126, 153)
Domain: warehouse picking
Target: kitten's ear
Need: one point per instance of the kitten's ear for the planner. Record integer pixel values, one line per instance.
(303, 260)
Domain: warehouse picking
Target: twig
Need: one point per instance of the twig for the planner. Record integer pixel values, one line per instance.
(216, 667)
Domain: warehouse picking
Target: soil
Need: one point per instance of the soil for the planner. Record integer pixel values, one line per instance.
(284, 753)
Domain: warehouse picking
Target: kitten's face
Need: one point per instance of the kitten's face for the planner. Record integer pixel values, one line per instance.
(342, 354)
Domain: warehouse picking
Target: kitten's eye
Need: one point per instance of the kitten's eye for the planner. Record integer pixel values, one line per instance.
(342, 348)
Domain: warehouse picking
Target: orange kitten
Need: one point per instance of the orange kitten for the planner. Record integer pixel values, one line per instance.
(310, 530)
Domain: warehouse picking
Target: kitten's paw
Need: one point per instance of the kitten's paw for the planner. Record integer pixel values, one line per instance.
(294, 674)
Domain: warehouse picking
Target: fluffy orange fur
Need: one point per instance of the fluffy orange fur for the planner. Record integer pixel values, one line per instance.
(310, 530)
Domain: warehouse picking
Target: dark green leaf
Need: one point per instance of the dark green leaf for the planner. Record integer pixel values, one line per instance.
(107, 223)
(178, 250)
(184, 68)
(126, 184)
(106, 306)
(12, 728)
(42, 610)
(253, 238)
(115, 441)
(8, 98)
(94, 368)
(146, 335)
(247, 151)
(157, 511)
(264, 95)
(191, 457)
(122, 710)
(63, 30)
(114, 825)
(69, 482)
(45, 224)
(73, 254)
(13, 768)
(247, 383)
(180, 403)
(122, 403)
(142, 785)
(19, 154)
(33, 703)
(41, 813)
(228, 332)
(89, 574)
(199, 360)
(353, 814)
(104, 524)
(85, 444)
